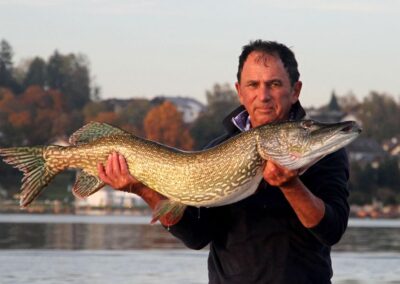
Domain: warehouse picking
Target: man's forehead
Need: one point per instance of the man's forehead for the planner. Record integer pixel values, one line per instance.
(263, 57)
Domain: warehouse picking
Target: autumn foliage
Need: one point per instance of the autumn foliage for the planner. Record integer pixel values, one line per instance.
(164, 124)
(35, 116)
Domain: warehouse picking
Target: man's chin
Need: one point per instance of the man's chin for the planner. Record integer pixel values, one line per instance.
(264, 119)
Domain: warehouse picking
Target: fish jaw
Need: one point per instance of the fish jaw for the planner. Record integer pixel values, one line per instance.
(300, 144)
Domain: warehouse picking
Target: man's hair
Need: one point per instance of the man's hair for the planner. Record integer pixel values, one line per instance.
(271, 48)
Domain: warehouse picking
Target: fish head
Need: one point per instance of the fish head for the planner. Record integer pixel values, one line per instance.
(299, 144)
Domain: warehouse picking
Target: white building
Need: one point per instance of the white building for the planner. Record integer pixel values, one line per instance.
(189, 107)
(108, 197)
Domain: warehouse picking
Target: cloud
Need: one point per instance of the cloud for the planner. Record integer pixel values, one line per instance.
(116, 7)
(36, 3)
(353, 6)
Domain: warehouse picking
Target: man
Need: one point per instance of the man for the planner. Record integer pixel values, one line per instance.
(282, 233)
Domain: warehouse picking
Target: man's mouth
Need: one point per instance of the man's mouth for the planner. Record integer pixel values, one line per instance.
(265, 109)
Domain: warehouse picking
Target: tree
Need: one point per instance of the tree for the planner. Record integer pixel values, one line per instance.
(6, 66)
(164, 124)
(380, 116)
(70, 75)
(333, 104)
(220, 102)
(349, 103)
(36, 116)
(36, 74)
(92, 109)
(132, 116)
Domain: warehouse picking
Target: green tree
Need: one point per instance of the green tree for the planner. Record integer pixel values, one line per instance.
(6, 66)
(70, 75)
(132, 116)
(349, 103)
(37, 73)
(220, 102)
(333, 104)
(380, 116)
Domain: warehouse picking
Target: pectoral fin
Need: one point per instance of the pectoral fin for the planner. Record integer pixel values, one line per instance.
(86, 185)
(306, 167)
(171, 211)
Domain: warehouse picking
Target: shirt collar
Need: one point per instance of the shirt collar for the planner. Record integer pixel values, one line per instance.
(242, 121)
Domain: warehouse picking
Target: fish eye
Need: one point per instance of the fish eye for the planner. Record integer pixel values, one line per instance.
(307, 124)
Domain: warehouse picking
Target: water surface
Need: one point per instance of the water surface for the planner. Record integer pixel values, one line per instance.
(73, 249)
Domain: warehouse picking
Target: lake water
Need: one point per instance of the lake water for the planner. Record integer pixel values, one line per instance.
(73, 249)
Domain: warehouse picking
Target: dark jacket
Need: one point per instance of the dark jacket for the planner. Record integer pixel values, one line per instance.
(260, 239)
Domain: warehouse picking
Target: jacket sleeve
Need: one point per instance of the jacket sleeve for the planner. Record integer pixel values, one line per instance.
(196, 227)
(328, 180)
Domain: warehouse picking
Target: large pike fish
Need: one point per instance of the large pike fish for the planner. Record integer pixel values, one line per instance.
(221, 175)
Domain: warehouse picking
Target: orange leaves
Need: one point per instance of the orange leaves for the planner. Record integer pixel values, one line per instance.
(38, 116)
(31, 114)
(164, 124)
(20, 119)
(109, 117)
(7, 98)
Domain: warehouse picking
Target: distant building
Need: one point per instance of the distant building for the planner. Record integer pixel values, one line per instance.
(352, 117)
(189, 107)
(366, 151)
(117, 104)
(330, 113)
(3, 193)
(60, 141)
(108, 197)
(392, 146)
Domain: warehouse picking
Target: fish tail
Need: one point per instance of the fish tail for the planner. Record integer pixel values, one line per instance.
(36, 169)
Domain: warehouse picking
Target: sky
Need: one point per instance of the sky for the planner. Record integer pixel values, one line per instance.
(145, 48)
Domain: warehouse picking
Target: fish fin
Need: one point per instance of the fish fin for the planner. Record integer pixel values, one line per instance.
(37, 174)
(93, 131)
(306, 167)
(170, 211)
(86, 184)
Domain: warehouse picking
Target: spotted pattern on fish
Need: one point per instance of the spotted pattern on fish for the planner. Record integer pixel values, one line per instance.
(221, 175)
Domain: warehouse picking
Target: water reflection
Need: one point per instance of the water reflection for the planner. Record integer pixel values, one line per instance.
(370, 239)
(130, 234)
(85, 236)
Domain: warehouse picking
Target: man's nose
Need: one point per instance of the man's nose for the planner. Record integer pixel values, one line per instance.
(264, 93)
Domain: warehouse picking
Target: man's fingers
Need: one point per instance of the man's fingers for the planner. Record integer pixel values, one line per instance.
(115, 164)
(109, 165)
(102, 173)
(123, 165)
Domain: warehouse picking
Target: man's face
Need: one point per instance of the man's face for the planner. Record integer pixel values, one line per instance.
(265, 90)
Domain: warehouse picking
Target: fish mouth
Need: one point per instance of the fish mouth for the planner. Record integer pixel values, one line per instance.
(338, 136)
(350, 127)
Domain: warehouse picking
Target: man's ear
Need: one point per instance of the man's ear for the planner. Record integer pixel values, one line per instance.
(296, 91)
(237, 86)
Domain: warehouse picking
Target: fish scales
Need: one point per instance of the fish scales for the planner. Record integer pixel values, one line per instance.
(221, 175)
(198, 179)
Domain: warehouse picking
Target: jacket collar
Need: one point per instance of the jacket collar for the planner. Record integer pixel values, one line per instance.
(297, 112)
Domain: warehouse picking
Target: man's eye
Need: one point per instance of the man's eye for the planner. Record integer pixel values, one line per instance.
(275, 84)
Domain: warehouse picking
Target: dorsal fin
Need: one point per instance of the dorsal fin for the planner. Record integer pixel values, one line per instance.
(94, 130)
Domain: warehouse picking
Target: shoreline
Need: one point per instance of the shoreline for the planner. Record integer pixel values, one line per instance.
(368, 211)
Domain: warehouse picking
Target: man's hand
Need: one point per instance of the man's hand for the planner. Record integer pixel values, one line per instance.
(116, 174)
(309, 208)
(278, 176)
